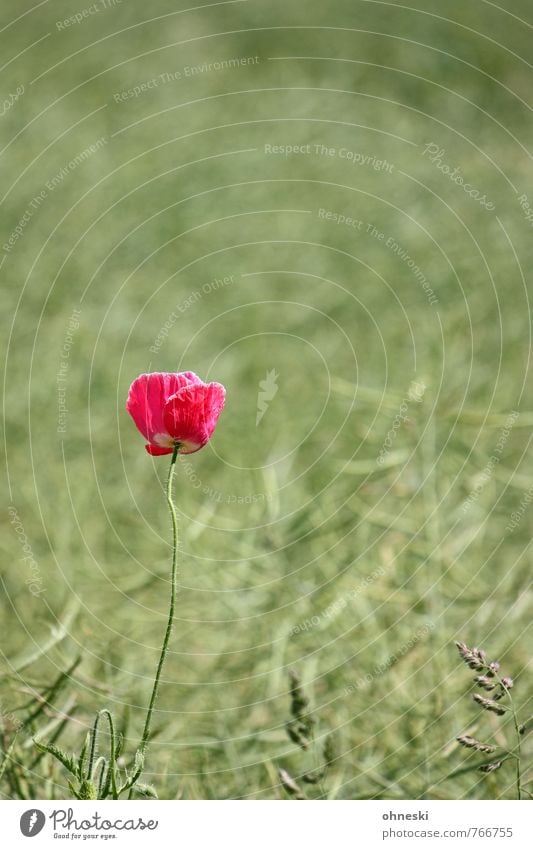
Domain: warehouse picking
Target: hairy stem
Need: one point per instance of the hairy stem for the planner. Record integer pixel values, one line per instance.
(92, 748)
(174, 576)
(111, 777)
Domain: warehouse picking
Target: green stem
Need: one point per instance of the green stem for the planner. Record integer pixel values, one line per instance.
(518, 745)
(164, 648)
(111, 775)
(517, 754)
(92, 748)
(92, 766)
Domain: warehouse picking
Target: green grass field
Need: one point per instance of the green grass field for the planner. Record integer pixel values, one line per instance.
(268, 192)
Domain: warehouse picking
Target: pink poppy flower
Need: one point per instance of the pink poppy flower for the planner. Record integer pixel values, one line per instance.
(175, 408)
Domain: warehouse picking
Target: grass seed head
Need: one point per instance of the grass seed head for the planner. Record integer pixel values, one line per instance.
(471, 743)
(300, 727)
(474, 658)
(297, 733)
(490, 767)
(485, 682)
(290, 785)
(329, 751)
(489, 704)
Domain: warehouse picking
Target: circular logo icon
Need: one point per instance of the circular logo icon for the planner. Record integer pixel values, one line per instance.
(32, 822)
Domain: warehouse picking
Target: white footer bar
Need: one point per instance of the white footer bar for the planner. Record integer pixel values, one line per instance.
(268, 825)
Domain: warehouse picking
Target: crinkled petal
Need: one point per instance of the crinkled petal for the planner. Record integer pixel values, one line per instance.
(191, 414)
(147, 398)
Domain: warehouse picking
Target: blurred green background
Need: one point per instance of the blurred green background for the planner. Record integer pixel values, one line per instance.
(166, 222)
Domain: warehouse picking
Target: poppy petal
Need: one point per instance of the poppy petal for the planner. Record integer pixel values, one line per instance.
(157, 450)
(148, 395)
(191, 414)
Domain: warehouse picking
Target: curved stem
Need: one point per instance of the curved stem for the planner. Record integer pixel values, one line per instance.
(164, 648)
(111, 775)
(518, 752)
(92, 765)
(99, 764)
